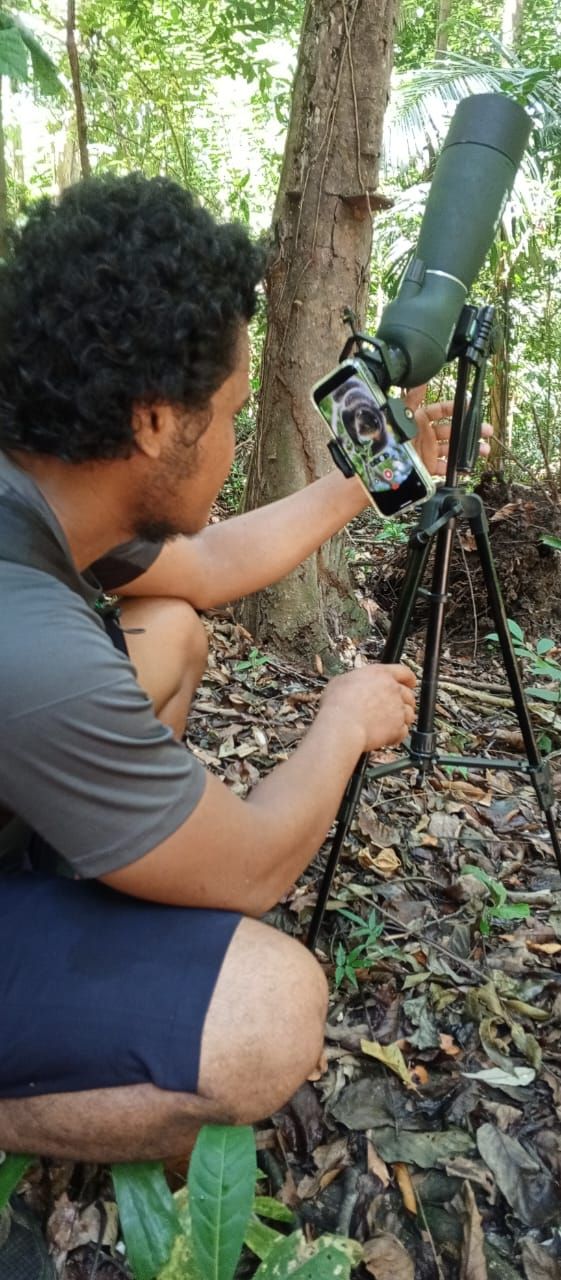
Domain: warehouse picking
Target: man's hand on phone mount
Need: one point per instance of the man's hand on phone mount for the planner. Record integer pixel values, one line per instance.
(433, 430)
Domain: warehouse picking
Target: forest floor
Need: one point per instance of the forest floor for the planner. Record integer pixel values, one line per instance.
(432, 1127)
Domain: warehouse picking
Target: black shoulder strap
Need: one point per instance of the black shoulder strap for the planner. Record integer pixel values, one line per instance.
(26, 539)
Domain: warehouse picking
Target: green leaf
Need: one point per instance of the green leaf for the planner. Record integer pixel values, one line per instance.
(148, 1216)
(549, 540)
(13, 55)
(45, 73)
(511, 911)
(545, 644)
(12, 1170)
(494, 886)
(221, 1182)
(319, 1260)
(260, 1238)
(268, 1207)
(515, 630)
(545, 695)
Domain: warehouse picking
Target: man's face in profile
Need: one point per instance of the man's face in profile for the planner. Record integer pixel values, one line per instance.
(180, 485)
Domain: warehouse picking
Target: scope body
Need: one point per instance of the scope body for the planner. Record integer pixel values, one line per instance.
(472, 181)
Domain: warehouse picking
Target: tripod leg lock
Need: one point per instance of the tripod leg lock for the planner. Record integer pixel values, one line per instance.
(422, 746)
(543, 786)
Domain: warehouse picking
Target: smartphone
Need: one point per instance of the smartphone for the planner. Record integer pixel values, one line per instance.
(366, 443)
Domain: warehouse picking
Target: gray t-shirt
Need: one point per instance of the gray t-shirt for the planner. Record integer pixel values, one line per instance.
(84, 761)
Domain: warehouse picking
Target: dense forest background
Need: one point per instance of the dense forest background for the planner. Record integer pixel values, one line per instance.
(428, 1139)
(201, 91)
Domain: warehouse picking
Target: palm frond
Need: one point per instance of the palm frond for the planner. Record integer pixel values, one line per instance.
(423, 102)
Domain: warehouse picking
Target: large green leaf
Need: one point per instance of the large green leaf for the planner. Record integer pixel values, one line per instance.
(45, 74)
(321, 1260)
(12, 1170)
(13, 55)
(148, 1216)
(18, 42)
(221, 1184)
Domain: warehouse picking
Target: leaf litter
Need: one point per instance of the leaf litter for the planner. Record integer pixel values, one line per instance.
(431, 1133)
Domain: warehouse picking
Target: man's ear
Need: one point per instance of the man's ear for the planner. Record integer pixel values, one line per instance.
(153, 427)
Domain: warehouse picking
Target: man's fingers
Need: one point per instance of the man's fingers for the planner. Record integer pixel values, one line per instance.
(402, 674)
(414, 397)
(442, 430)
(441, 409)
(486, 430)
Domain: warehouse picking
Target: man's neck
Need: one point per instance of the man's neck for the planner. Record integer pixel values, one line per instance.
(86, 498)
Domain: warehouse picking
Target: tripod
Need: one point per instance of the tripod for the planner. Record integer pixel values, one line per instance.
(473, 342)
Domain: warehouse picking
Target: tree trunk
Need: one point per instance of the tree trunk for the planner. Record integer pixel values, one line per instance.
(511, 21)
(444, 11)
(322, 237)
(500, 384)
(81, 125)
(3, 177)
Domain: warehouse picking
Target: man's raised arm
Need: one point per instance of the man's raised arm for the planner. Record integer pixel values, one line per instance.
(236, 557)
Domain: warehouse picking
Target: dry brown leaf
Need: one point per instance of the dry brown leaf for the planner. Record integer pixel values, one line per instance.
(330, 1158)
(385, 1258)
(473, 1265)
(403, 1179)
(386, 862)
(546, 948)
(376, 1165)
(69, 1227)
(538, 1263)
(321, 1068)
(473, 1171)
(464, 788)
(448, 1045)
(391, 1056)
(419, 1074)
(504, 512)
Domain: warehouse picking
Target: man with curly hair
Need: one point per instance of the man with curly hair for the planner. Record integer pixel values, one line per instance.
(140, 995)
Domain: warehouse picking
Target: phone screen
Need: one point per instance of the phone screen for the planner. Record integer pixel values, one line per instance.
(352, 406)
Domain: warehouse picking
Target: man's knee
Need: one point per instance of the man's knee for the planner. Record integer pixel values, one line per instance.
(186, 624)
(168, 646)
(264, 1030)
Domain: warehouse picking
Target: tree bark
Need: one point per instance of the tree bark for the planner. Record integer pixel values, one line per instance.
(322, 238)
(500, 386)
(444, 11)
(511, 22)
(81, 125)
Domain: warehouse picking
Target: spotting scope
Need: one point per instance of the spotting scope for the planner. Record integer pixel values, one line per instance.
(472, 180)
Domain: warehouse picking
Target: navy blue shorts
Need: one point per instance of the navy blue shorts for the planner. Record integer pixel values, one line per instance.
(99, 990)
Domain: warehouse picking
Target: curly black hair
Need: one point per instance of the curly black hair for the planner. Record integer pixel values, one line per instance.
(124, 291)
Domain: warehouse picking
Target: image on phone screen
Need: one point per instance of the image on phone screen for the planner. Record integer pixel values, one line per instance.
(357, 420)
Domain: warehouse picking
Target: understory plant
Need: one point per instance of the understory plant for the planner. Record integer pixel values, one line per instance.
(199, 1233)
(541, 661)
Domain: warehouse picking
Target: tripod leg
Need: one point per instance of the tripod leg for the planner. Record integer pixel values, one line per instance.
(539, 768)
(419, 548)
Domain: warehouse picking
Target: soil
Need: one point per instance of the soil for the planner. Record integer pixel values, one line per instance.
(529, 570)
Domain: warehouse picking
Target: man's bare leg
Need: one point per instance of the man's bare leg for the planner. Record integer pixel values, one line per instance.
(170, 654)
(262, 1037)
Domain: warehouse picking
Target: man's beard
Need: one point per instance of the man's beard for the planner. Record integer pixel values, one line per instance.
(158, 517)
